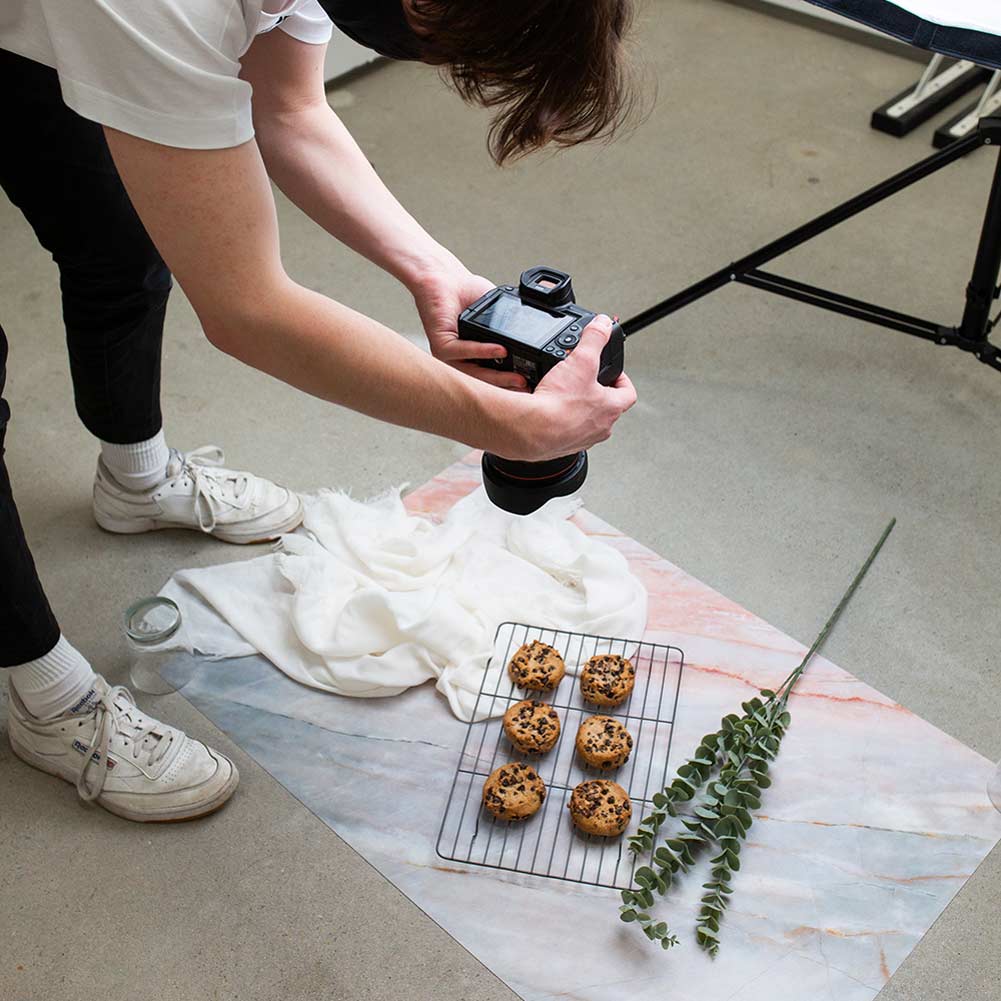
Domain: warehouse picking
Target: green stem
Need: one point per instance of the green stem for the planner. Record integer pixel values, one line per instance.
(790, 682)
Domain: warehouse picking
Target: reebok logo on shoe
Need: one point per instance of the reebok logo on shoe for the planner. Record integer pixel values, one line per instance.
(95, 757)
(86, 705)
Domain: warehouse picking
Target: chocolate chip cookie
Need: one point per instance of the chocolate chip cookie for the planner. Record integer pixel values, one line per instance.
(537, 667)
(513, 791)
(533, 727)
(604, 742)
(600, 807)
(607, 679)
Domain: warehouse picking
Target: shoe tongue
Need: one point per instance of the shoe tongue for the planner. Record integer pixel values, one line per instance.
(130, 718)
(86, 705)
(174, 463)
(223, 483)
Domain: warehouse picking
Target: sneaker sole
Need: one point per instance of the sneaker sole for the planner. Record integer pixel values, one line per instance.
(203, 810)
(42, 764)
(138, 526)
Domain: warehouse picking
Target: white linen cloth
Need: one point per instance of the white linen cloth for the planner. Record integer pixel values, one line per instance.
(368, 600)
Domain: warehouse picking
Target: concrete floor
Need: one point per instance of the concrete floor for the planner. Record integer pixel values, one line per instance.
(771, 444)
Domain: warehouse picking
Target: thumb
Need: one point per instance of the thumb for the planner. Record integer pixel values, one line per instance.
(592, 342)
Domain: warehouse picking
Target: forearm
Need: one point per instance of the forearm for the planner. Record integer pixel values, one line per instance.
(316, 162)
(335, 353)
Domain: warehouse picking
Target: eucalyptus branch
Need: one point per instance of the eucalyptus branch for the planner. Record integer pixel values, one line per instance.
(728, 772)
(722, 749)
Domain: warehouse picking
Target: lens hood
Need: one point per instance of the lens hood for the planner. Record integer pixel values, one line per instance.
(523, 487)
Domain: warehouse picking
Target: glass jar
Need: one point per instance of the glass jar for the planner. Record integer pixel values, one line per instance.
(994, 787)
(148, 625)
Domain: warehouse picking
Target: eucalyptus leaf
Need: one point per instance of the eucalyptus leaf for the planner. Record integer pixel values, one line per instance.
(685, 790)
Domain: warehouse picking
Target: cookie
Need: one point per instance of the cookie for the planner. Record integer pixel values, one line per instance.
(533, 727)
(604, 742)
(537, 667)
(600, 807)
(607, 680)
(513, 791)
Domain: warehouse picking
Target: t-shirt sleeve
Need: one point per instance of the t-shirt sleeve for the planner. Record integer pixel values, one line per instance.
(308, 23)
(167, 71)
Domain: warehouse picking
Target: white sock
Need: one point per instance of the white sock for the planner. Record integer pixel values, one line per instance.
(59, 682)
(139, 466)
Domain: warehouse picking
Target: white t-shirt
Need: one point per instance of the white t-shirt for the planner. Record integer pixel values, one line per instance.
(164, 70)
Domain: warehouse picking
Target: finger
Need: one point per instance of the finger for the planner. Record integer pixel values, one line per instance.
(463, 350)
(592, 342)
(503, 380)
(623, 391)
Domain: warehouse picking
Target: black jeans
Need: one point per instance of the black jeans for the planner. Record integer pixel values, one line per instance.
(56, 168)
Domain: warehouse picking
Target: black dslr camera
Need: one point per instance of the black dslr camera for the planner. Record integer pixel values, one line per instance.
(540, 325)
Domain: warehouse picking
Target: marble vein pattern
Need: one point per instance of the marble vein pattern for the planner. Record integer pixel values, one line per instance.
(874, 821)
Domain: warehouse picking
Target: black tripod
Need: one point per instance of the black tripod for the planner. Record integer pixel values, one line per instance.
(971, 334)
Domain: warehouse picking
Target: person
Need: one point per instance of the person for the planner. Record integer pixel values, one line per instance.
(139, 142)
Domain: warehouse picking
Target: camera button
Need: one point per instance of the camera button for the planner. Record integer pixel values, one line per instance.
(569, 340)
(559, 353)
(573, 326)
(508, 288)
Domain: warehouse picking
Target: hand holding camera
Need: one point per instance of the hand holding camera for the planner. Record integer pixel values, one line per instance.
(580, 411)
(572, 358)
(440, 298)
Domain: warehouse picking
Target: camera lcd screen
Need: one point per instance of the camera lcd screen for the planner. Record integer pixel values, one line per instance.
(508, 315)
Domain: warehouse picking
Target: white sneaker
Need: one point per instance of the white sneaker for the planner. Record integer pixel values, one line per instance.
(132, 765)
(198, 492)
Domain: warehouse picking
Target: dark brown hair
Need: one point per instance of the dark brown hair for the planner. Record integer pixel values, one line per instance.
(555, 69)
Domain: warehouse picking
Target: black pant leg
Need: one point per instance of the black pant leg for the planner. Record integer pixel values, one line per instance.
(56, 167)
(28, 629)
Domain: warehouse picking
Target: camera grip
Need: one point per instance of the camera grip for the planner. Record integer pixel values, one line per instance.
(613, 356)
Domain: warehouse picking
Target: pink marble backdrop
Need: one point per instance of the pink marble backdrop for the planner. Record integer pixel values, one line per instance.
(874, 821)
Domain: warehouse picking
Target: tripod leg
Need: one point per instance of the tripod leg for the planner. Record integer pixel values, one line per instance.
(983, 287)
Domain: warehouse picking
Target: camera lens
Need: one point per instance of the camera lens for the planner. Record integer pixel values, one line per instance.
(523, 487)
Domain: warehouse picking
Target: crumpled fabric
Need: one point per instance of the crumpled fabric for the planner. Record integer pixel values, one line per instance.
(368, 600)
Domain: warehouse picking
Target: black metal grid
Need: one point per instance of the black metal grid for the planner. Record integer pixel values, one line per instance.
(547, 844)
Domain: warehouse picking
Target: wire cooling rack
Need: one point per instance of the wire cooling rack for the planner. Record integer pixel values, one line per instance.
(547, 844)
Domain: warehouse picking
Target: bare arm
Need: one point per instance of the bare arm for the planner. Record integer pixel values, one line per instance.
(316, 162)
(211, 215)
(313, 158)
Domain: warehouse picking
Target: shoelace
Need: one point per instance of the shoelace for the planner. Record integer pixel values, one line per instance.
(213, 486)
(113, 718)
